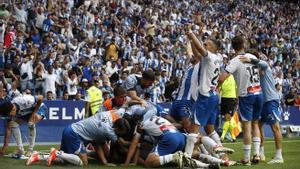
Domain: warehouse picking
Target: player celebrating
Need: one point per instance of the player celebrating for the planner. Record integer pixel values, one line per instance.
(270, 112)
(206, 105)
(99, 128)
(250, 97)
(169, 146)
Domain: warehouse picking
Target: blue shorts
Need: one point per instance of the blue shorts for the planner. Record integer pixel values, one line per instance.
(42, 111)
(250, 107)
(169, 143)
(71, 142)
(205, 109)
(270, 112)
(181, 109)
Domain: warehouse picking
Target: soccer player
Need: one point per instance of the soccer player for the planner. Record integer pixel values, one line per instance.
(250, 98)
(270, 112)
(170, 144)
(183, 103)
(21, 108)
(99, 128)
(206, 105)
(228, 104)
(136, 86)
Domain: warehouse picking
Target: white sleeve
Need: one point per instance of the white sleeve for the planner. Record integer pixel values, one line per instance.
(233, 65)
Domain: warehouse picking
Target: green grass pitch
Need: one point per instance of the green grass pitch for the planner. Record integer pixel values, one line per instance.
(291, 154)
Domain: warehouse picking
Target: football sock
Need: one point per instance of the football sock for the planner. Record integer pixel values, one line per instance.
(71, 158)
(247, 152)
(278, 154)
(262, 150)
(214, 135)
(165, 159)
(210, 159)
(203, 149)
(17, 135)
(32, 136)
(190, 143)
(256, 145)
(209, 144)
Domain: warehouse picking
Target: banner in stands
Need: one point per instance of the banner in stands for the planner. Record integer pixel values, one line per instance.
(63, 113)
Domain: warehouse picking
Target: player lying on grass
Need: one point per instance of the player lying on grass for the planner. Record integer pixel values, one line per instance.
(23, 108)
(270, 113)
(98, 129)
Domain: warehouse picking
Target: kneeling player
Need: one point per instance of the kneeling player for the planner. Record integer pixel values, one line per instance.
(100, 128)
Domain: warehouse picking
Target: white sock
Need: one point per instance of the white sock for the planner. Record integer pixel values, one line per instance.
(247, 152)
(165, 159)
(71, 158)
(32, 135)
(199, 164)
(203, 150)
(210, 159)
(262, 150)
(209, 144)
(214, 135)
(191, 139)
(17, 135)
(256, 145)
(278, 154)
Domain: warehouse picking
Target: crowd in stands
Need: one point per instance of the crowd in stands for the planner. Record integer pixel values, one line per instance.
(58, 48)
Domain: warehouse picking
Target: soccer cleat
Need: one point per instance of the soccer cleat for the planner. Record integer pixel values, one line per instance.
(245, 163)
(52, 156)
(255, 159)
(229, 163)
(28, 153)
(276, 161)
(262, 157)
(214, 166)
(178, 159)
(221, 149)
(33, 158)
(188, 161)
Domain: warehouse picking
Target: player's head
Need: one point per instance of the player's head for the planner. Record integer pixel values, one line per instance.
(212, 45)
(148, 78)
(8, 109)
(120, 95)
(121, 127)
(238, 43)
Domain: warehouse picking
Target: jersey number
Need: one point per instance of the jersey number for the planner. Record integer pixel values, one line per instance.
(214, 79)
(157, 120)
(253, 71)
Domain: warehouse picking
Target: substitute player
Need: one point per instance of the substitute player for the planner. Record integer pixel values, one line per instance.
(250, 97)
(270, 113)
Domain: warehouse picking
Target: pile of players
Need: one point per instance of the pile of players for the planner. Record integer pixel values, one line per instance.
(133, 130)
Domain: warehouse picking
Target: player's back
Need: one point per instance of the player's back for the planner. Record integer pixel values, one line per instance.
(25, 104)
(97, 127)
(155, 126)
(245, 74)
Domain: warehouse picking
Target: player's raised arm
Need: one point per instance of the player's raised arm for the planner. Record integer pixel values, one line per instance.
(194, 40)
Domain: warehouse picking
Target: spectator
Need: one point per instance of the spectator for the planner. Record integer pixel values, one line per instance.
(66, 96)
(49, 95)
(50, 82)
(291, 97)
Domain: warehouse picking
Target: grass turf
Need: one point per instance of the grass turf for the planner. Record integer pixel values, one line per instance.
(291, 154)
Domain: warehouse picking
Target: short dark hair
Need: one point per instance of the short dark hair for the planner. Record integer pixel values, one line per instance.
(148, 75)
(119, 90)
(49, 92)
(122, 124)
(238, 43)
(216, 42)
(6, 108)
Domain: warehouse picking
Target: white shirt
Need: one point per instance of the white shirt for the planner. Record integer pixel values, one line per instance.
(50, 80)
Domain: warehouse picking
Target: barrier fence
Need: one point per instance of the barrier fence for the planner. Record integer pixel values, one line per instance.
(62, 113)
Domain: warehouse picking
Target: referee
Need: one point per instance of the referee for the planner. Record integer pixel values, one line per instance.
(228, 92)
